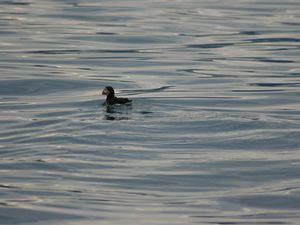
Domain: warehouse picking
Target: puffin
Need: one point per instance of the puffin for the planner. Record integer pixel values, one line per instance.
(111, 99)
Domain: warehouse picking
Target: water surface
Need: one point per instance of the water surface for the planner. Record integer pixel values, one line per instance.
(212, 136)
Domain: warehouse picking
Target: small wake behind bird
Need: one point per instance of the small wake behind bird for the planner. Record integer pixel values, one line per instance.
(111, 98)
(121, 108)
(148, 90)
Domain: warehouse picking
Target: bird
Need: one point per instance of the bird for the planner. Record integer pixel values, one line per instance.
(111, 99)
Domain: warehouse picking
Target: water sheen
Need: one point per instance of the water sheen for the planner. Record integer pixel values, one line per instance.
(212, 136)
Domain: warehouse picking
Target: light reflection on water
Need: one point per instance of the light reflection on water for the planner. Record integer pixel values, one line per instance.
(212, 136)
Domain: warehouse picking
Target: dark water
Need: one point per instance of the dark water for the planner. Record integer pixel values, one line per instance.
(212, 136)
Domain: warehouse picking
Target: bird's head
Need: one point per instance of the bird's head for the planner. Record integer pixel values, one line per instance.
(108, 91)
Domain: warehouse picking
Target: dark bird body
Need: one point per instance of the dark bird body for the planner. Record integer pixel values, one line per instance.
(111, 99)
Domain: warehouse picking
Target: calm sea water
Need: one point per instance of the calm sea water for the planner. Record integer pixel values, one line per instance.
(212, 136)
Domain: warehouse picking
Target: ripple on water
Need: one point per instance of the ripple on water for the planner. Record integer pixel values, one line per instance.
(41, 86)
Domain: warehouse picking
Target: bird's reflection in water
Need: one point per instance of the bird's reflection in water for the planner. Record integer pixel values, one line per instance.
(118, 112)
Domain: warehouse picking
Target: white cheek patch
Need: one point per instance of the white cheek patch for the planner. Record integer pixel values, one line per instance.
(105, 91)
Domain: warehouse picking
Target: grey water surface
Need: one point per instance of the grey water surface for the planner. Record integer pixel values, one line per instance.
(212, 135)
